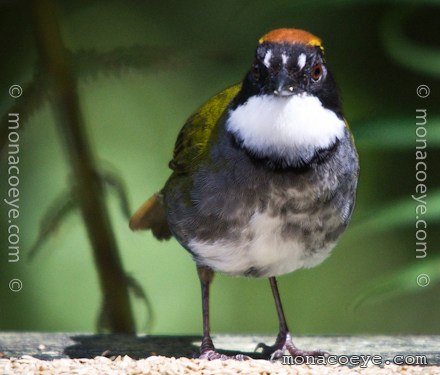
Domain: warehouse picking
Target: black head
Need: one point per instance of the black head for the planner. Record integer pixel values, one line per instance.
(290, 62)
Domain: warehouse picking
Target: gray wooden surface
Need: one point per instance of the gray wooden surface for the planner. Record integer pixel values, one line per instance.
(72, 345)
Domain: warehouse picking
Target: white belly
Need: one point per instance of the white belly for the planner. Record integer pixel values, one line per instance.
(261, 251)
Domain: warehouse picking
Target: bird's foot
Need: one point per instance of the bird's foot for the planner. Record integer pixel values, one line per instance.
(207, 351)
(284, 344)
(210, 355)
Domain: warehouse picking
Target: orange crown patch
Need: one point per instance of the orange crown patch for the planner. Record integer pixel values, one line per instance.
(291, 36)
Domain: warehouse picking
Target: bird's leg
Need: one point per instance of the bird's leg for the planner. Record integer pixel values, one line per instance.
(206, 275)
(207, 350)
(283, 342)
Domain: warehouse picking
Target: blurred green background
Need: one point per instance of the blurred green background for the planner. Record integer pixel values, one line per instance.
(143, 67)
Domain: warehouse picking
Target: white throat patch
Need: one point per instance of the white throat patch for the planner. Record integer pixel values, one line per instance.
(284, 127)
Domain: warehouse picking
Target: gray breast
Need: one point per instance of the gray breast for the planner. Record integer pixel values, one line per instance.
(235, 199)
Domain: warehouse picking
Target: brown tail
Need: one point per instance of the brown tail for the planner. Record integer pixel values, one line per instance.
(152, 215)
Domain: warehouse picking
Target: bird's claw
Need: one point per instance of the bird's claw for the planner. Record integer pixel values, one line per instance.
(284, 344)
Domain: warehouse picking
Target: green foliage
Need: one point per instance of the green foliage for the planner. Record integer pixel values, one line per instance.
(411, 55)
(393, 134)
(407, 280)
(397, 215)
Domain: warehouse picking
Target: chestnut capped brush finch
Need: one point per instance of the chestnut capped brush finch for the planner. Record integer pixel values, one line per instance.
(263, 177)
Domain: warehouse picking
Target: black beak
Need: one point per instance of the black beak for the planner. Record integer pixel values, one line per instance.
(283, 85)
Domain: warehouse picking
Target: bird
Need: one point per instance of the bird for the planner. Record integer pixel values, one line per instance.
(263, 177)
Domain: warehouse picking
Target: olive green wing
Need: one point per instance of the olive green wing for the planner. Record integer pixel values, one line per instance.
(191, 144)
(193, 138)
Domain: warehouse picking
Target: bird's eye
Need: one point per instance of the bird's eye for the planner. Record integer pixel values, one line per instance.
(317, 71)
(256, 73)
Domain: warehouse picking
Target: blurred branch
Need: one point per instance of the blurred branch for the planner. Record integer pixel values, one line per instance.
(89, 188)
(89, 64)
(114, 182)
(66, 203)
(86, 64)
(138, 292)
(35, 94)
(52, 220)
